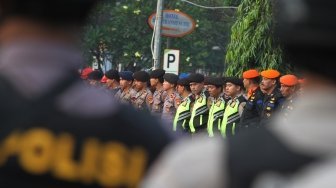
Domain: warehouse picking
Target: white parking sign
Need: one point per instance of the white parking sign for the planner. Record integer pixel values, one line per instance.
(171, 61)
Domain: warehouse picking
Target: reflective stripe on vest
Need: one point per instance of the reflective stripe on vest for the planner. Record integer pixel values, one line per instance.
(182, 113)
(230, 118)
(200, 108)
(215, 116)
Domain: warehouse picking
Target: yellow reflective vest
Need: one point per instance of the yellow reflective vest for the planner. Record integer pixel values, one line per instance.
(216, 114)
(199, 113)
(183, 114)
(231, 116)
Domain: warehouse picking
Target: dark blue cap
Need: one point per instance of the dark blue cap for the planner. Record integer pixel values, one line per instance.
(126, 75)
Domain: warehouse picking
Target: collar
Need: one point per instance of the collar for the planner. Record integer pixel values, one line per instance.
(251, 91)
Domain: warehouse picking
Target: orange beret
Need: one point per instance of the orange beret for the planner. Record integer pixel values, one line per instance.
(289, 80)
(271, 74)
(250, 74)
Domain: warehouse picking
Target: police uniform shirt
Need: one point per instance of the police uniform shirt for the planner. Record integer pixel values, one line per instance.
(141, 99)
(125, 96)
(114, 91)
(271, 104)
(286, 147)
(111, 91)
(170, 105)
(216, 113)
(183, 114)
(57, 132)
(251, 114)
(200, 112)
(232, 114)
(159, 97)
(287, 106)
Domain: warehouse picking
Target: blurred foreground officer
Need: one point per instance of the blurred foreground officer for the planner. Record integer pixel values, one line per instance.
(216, 112)
(251, 114)
(200, 111)
(141, 100)
(288, 90)
(307, 33)
(126, 92)
(156, 81)
(173, 99)
(55, 131)
(183, 112)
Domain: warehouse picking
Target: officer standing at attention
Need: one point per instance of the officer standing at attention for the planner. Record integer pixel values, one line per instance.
(56, 131)
(251, 81)
(234, 107)
(124, 95)
(200, 110)
(183, 111)
(272, 98)
(288, 90)
(142, 98)
(173, 99)
(112, 81)
(156, 81)
(251, 114)
(269, 156)
(216, 112)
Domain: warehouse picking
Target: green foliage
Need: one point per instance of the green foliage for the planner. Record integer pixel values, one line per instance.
(232, 2)
(252, 42)
(121, 29)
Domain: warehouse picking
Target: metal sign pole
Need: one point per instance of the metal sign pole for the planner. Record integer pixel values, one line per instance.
(157, 39)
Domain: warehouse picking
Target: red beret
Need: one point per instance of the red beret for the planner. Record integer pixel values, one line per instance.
(289, 80)
(271, 74)
(250, 74)
(85, 72)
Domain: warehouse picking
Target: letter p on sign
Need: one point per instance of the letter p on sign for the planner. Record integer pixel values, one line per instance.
(171, 61)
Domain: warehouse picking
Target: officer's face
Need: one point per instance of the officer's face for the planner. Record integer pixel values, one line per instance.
(125, 84)
(139, 85)
(180, 89)
(246, 83)
(196, 88)
(166, 85)
(214, 91)
(153, 81)
(266, 83)
(287, 91)
(109, 82)
(232, 90)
